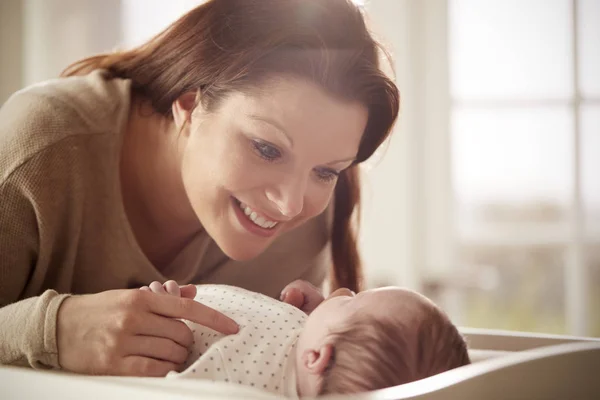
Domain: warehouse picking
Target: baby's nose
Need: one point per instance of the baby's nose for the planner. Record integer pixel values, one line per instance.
(342, 292)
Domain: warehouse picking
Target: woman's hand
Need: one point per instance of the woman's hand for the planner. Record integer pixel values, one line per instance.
(302, 295)
(131, 332)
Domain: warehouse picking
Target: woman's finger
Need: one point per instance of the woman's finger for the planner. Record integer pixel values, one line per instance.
(144, 366)
(172, 288)
(169, 328)
(158, 348)
(157, 287)
(182, 308)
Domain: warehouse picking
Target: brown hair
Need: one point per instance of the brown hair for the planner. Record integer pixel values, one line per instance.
(231, 45)
(372, 353)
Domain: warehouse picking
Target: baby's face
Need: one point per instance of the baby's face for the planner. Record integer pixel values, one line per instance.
(342, 304)
(332, 312)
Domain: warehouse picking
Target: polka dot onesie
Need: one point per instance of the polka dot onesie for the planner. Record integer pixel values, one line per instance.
(261, 354)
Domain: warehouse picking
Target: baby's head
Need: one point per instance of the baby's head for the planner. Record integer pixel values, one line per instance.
(376, 339)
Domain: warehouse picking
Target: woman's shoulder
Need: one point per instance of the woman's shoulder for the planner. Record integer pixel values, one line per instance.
(40, 116)
(89, 101)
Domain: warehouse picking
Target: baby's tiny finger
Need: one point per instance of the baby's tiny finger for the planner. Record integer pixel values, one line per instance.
(188, 291)
(157, 287)
(172, 288)
(146, 288)
(293, 296)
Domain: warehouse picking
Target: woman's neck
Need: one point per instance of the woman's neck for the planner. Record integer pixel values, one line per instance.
(155, 200)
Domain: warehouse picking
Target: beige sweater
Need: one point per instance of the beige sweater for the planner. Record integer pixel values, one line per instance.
(63, 228)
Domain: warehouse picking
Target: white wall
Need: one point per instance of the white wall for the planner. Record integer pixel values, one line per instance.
(408, 209)
(59, 32)
(11, 38)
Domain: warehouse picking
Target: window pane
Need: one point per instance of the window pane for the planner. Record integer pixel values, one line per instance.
(590, 185)
(590, 169)
(593, 258)
(512, 172)
(589, 47)
(516, 288)
(510, 49)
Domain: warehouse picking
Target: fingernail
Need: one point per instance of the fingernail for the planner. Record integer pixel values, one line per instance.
(283, 296)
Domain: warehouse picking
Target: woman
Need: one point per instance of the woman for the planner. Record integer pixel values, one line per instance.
(209, 154)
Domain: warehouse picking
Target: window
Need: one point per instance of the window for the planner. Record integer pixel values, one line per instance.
(525, 150)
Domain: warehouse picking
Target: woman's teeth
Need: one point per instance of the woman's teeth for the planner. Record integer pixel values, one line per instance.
(260, 221)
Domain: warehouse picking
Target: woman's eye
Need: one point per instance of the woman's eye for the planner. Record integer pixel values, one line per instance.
(326, 175)
(266, 151)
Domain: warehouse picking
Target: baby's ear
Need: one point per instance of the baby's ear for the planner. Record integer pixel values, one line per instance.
(316, 361)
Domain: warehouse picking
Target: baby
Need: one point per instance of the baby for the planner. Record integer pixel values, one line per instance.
(348, 344)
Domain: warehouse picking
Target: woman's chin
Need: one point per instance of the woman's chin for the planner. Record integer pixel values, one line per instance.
(241, 253)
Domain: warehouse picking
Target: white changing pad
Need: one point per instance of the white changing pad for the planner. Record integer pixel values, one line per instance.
(563, 368)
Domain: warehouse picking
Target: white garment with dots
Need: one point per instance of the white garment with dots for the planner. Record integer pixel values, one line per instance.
(261, 354)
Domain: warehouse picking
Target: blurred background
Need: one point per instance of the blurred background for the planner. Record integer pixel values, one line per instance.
(487, 198)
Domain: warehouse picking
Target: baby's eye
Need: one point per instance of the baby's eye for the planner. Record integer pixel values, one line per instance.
(326, 175)
(266, 150)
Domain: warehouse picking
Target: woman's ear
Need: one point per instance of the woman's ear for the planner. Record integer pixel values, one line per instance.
(183, 108)
(316, 361)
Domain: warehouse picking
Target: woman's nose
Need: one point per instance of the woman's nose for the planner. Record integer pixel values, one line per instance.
(288, 198)
(288, 207)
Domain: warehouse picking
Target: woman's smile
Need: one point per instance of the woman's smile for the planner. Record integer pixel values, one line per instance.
(253, 221)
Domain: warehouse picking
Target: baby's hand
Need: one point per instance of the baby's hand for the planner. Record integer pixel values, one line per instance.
(302, 295)
(172, 288)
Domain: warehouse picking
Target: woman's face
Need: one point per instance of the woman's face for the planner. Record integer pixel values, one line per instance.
(265, 163)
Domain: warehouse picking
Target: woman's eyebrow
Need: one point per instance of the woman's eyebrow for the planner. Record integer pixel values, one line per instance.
(275, 124)
(344, 160)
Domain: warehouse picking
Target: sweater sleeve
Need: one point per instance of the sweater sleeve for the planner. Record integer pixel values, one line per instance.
(27, 327)
(48, 147)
